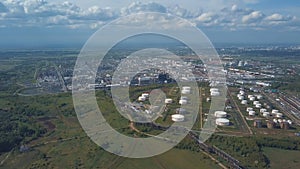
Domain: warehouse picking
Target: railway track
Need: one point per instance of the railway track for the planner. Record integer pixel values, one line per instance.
(287, 109)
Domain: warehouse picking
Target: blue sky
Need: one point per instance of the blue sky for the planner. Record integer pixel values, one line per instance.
(55, 23)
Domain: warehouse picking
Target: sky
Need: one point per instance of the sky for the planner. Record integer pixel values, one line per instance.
(60, 23)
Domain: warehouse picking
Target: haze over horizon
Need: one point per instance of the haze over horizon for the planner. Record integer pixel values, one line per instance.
(57, 23)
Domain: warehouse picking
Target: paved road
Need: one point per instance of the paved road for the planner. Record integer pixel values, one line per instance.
(244, 125)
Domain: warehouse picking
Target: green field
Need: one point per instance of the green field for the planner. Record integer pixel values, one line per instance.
(282, 159)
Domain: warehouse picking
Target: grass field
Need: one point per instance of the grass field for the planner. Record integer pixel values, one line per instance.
(282, 159)
(173, 159)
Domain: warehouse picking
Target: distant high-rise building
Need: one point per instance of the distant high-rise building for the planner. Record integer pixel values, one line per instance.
(240, 64)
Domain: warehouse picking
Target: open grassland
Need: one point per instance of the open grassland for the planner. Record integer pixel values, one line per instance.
(280, 159)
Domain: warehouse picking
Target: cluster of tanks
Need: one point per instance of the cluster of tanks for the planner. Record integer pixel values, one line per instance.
(275, 114)
(221, 119)
(179, 117)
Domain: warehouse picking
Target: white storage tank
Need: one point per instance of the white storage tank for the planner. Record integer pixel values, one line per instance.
(258, 106)
(182, 101)
(259, 97)
(145, 95)
(186, 88)
(275, 121)
(168, 101)
(220, 114)
(215, 93)
(214, 90)
(183, 98)
(241, 97)
(242, 92)
(252, 113)
(279, 115)
(185, 91)
(177, 117)
(266, 114)
(142, 98)
(222, 122)
(249, 109)
(290, 122)
(256, 102)
(244, 102)
(262, 110)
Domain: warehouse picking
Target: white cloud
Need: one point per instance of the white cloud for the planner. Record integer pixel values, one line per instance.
(206, 17)
(136, 7)
(254, 16)
(275, 17)
(230, 15)
(58, 20)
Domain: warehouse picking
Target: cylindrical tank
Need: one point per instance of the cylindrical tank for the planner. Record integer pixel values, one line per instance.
(185, 91)
(214, 90)
(186, 88)
(252, 113)
(182, 101)
(142, 98)
(262, 110)
(241, 97)
(257, 123)
(168, 101)
(244, 102)
(279, 115)
(177, 117)
(222, 122)
(183, 98)
(256, 102)
(220, 114)
(259, 97)
(270, 124)
(284, 125)
(266, 114)
(249, 109)
(145, 95)
(215, 93)
(258, 106)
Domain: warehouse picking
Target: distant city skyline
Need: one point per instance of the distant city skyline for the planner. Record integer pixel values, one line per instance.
(56, 23)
